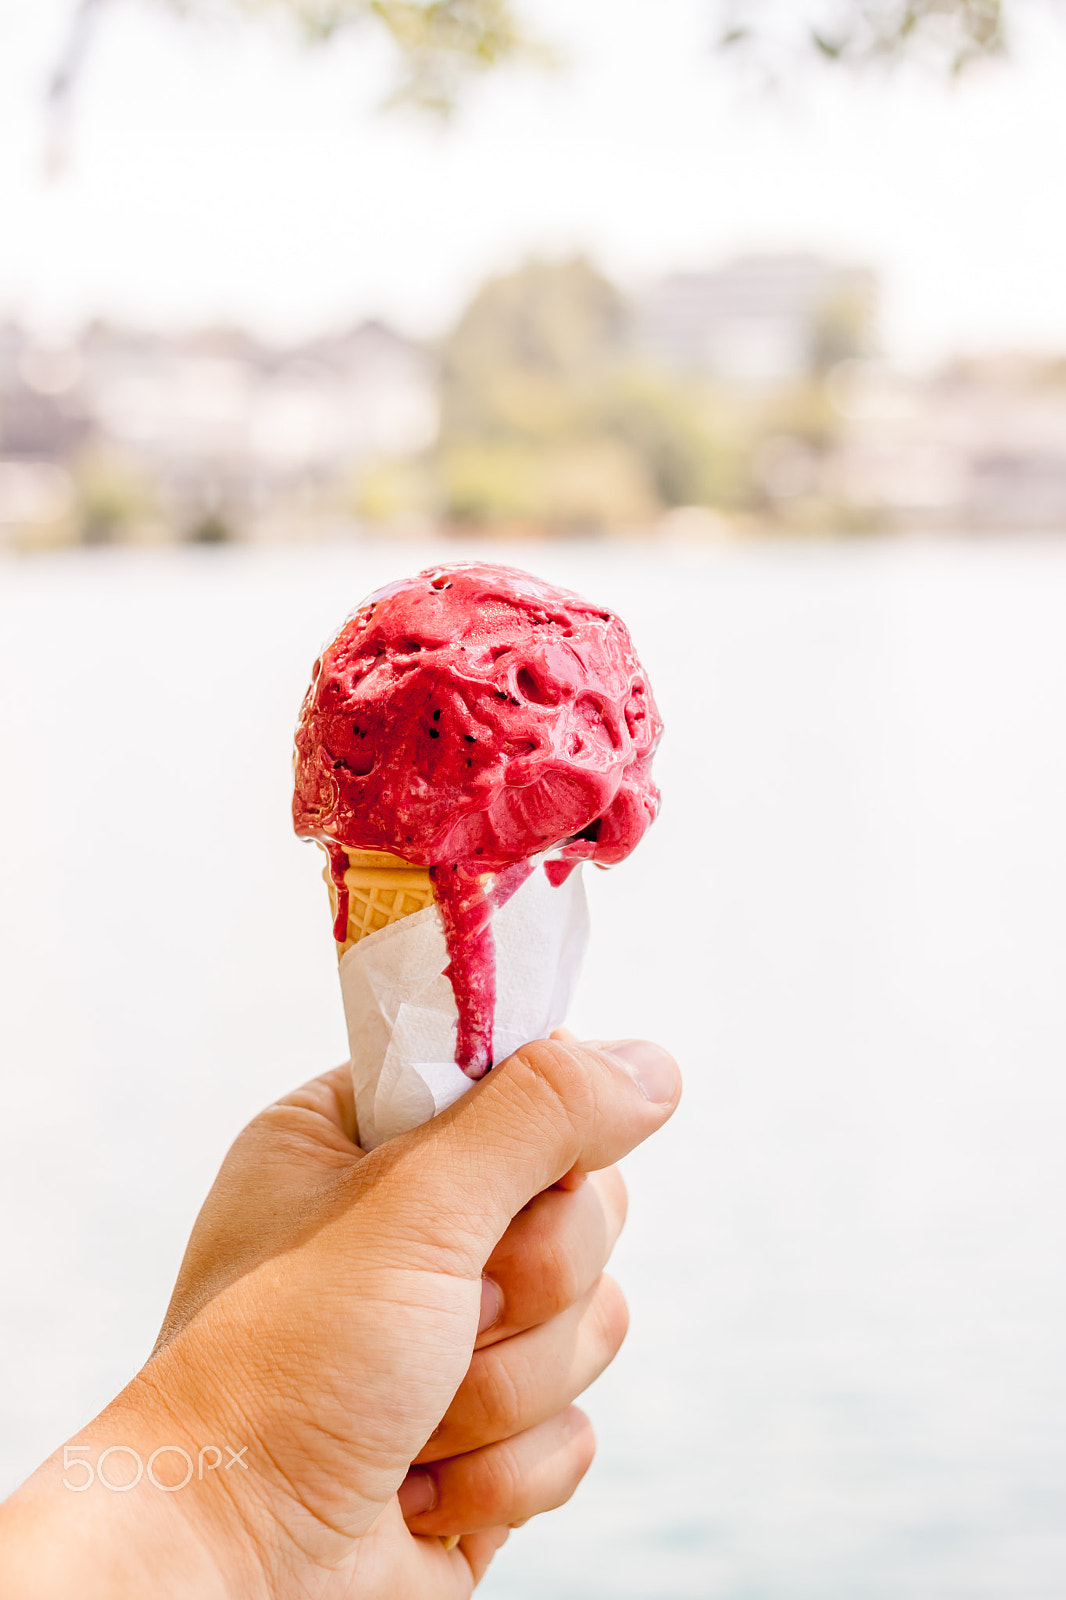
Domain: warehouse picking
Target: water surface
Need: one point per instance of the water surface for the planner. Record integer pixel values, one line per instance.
(845, 1376)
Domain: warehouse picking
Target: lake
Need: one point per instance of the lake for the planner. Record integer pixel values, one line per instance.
(846, 1256)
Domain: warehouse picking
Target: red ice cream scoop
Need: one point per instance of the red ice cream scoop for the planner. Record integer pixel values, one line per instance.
(468, 719)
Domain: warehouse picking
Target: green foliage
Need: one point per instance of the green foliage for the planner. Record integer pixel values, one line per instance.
(684, 441)
(210, 529)
(529, 354)
(392, 489)
(113, 496)
(443, 44)
(440, 43)
(951, 33)
(843, 325)
(443, 41)
(572, 485)
(546, 418)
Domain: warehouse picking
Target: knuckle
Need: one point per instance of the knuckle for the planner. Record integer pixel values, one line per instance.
(497, 1397)
(549, 1067)
(289, 1129)
(575, 1462)
(612, 1313)
(501, 1483)
(317, 1094)
(560, 1284)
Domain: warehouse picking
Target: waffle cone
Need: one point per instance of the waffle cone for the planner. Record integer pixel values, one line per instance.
(381, 890)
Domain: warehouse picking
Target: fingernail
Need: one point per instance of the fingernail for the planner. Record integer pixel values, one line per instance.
(417, 1492)
(653, 1070)
(491, 1304)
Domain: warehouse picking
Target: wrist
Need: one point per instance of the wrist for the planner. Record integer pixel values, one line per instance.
(134, 1504)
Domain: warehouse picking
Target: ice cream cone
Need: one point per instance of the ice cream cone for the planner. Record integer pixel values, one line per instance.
(381, 890)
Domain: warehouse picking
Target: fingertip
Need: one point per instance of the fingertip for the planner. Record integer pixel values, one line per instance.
(418, 1492)
(564, 1036)
(583, 1435)
(491, 1305)
(653, 1069)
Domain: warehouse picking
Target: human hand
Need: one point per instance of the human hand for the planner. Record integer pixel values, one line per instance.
(436, 1302)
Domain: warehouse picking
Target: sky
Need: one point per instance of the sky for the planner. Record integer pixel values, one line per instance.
(219, 172)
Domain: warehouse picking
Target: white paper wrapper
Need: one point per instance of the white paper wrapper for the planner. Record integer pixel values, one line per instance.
(401, 1012)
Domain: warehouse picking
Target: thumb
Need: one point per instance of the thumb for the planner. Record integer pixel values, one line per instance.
(455, 1183)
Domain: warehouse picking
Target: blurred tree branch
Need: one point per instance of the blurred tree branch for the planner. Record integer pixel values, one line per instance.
(951, 34)
(442, 44)
(64, 79)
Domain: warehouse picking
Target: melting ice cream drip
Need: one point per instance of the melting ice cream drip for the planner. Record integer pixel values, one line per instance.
(466, 903)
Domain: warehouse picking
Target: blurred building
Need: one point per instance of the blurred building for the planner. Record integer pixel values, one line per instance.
(41, 417)
(213, 428)
(762, 319)
(756, 395)
(978, 447)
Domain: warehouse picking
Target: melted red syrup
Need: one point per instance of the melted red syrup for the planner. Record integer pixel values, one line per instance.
(558, 871)
(338, 866)
(466, 905)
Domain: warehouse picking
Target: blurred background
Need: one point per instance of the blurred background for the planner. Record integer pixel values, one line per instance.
(747, 318)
